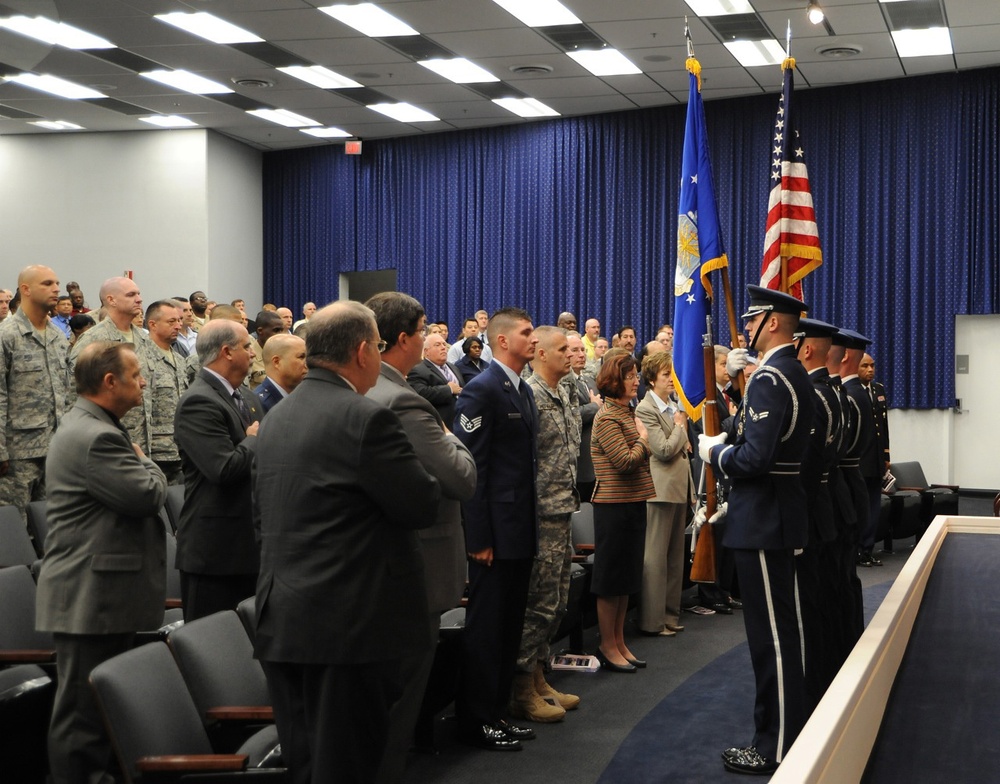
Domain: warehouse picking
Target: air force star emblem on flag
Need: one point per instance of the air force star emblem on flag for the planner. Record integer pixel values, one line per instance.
(470, 425)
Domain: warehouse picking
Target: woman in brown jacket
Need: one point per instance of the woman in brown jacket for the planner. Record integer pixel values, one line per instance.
(620, 449)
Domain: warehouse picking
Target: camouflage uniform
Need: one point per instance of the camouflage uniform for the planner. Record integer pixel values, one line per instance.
(34, 391)
(558, 446)
(168, 382)
(138, 421)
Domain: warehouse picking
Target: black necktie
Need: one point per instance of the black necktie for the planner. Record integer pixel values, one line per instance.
(242, 406)
(523, 389)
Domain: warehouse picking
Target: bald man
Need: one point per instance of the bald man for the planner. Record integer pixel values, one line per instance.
(122, 300)
(34, 388)
(285, 363)
(286, 316)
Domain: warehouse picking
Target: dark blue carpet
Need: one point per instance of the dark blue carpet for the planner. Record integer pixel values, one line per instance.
(681, 738)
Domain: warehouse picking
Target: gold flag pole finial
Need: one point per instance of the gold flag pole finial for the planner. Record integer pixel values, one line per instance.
(692, 65)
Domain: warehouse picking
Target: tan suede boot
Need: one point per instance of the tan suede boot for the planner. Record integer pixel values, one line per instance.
(546, 692)
(527, 704)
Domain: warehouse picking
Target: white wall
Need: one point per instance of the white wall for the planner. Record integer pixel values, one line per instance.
(924, 436)
(179, 208)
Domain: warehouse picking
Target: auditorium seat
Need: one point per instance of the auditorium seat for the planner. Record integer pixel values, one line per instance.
(173, 575)
(16, 548)
(173, 505)
(19, 642)
(247, 610)
(442, 682)
(904, 517)
(582, 523)
(38, 525)
(26, 694)
(154, 726)
(935, 499)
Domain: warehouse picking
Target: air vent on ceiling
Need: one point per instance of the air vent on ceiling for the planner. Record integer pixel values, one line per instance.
(533, 69)
(738, 27)
(572, 37)
(914, 14)
(839, 50)
(253, 82)
(418, 47)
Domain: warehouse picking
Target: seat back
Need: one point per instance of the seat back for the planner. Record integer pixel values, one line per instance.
(247, 610)
(38, 524)
(173, 575)
(147, 709)
(17, 612)
(173, 505)
(909, 475)
(583, 525)
(215, 657)
(15, 543)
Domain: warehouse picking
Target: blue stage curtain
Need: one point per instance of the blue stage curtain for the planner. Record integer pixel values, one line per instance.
(579, 214)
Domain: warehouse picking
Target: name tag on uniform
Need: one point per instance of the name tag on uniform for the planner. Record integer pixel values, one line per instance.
(514, 416)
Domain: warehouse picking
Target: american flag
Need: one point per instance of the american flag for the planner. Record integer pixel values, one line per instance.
(791, 233)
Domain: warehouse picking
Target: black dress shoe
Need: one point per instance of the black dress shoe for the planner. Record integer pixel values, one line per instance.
(736, 604)
(611, 666)
(722, 607)
(489, 737)
(515, 732)
(748, 761)
(639, 664)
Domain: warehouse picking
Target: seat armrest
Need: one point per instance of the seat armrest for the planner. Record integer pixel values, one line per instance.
(584, 548)
(913, 489)
(191, 762)
(172, 604)
(246, 713)
(953, 488)
(27, 657)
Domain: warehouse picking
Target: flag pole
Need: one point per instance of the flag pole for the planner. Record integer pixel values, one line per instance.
(788, 63)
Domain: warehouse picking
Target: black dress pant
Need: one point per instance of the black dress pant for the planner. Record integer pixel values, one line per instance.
(207, 594)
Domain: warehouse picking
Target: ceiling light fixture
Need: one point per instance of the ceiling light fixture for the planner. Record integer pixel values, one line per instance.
(922, 43)
(369, 19)
(605, 62)
(526, 107)
(318, 76)
(283, 117)
(187, 81)
(459, 70)
(720, 7)
(539, 13)
(815, 13)
(403, 112)
(57, 125)
(209, 27)
(327, 133)
(54, 85)
(751, 53)
(169, 121)
(57, 33)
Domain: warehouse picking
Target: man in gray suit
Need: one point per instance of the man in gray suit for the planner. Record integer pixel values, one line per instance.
(103, 577)
(341, 603)
(401, 323)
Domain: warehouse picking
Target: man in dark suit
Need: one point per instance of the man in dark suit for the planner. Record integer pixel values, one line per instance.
(215, 428)
(498, 422)
(437, 380)
(767, 521)
(401, 321)
(589, 401)
(880, 415)
(341, 600)
(285, 365)
(103, 577)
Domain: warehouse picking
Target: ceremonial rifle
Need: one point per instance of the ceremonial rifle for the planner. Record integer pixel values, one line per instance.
(703, 562)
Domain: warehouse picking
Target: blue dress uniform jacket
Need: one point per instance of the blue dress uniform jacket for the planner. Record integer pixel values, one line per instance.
(821, 459)
(767, 440)
(268, 394)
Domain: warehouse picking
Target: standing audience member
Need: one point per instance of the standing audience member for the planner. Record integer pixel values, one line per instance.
(472, 363)
(589, 401)
(268, 325)
(286, 316)
(548, 590)
(400, 321)
(123, 301)
(341, 600)
(199, 306)
(103, 577)
(6, 295)
(79, 324)
(215, 428)
(667, 511)
(436, 379)
(34, 388)
(307, 313)
(76, 297)
(498, 422)
(186, 336)
(285, 361)
(627, 339)
(62, 314)
(592, 331)
(620, 449)
(169, 380)
(469, 330)
(483, 320)
(566, 321)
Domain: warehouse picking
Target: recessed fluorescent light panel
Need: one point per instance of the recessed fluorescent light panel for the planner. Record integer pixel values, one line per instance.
(720, 7)
(605, 62)
(57, 125)
(751, 53)
(526, 107)
(327, 133)
(403, 112)
(283, 117)
(210, 27)
(369, 19)
(539, 13)
(58, 33)
(187, 81)
(459, 70)
(54, 85)
(922, 43)
(319, 76)
(169, 121)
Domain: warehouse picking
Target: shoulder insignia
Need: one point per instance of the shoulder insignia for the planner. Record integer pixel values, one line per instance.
(757, 417)
(470, 425)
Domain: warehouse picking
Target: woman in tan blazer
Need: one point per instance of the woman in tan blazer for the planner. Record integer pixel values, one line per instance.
(666, 512)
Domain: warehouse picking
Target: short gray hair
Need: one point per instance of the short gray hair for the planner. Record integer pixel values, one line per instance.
(215, 336)
(337, 330)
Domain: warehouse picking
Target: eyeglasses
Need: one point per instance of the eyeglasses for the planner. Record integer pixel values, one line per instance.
(632, 377)
(382, 346)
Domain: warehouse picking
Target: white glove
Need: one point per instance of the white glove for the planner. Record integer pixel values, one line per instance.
(736, 360)
(720, 513)
(705, 444)
(699, 519)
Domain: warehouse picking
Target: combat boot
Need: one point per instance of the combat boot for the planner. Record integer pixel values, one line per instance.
(528, 704)
(546, 692)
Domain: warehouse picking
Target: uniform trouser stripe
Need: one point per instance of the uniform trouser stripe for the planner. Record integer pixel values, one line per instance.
(779, 664)
(798, 615)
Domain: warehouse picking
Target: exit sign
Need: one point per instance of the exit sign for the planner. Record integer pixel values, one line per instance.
(352, 148)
